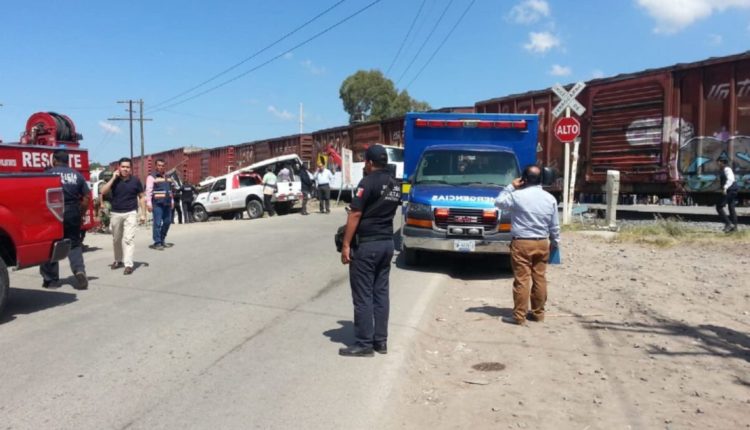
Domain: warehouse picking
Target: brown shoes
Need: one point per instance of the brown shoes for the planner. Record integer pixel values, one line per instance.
(128, 271)
(536, 318)
(116, 265)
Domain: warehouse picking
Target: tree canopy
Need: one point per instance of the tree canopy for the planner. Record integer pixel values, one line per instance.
(369, 96)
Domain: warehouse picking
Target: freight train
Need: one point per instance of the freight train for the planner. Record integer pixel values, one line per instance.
(663, 129)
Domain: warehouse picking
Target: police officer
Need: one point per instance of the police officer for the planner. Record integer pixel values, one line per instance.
(186, 200)
(368, 249)
(76, 192)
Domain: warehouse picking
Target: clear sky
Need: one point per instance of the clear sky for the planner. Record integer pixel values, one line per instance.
(79, 57)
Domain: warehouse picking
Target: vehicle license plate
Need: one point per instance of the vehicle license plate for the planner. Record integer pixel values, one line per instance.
(464, 245)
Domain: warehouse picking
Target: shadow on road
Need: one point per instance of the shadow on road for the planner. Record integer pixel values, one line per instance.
(492, 311)
(343, 334)
(467, 267)
(24, 302)
(714, 340)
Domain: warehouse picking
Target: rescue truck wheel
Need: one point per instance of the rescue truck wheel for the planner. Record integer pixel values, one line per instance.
(254, 209)
(411, 256)
(199, 213)
(4, 285)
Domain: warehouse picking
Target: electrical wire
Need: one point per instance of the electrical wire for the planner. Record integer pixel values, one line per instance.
(411, 27)
(425, 41)
(441, 44)
(270, 60)
(225, 71)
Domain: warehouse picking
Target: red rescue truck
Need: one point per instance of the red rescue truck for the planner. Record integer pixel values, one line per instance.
(45, 133)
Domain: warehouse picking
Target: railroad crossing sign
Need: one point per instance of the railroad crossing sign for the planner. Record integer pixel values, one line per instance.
(568, 99)
(567, 129)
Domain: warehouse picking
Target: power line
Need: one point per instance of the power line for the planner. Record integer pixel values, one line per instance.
(441, 44)
(224, 72)
(425, 41)
(406, 37)
(272, 59)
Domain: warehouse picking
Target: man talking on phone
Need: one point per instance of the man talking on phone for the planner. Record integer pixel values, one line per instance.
(535, 229)
(127, 197)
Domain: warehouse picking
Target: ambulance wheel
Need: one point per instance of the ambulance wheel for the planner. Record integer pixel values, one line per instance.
(4, 285)
(411, 256)
(199, 213)
(254, 209)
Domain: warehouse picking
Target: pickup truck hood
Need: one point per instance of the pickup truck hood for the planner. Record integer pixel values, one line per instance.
(474, 197)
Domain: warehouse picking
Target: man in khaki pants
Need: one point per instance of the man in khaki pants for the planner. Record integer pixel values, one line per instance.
(535, 230)
(127, 196)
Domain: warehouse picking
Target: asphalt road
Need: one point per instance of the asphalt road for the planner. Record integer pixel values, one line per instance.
(237, 326)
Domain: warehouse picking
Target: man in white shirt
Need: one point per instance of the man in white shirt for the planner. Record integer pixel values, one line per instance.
(535, 229)
(323, 178)
(285, 175)
(728, 196)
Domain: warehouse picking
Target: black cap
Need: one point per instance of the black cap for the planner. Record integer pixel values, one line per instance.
(377, 154)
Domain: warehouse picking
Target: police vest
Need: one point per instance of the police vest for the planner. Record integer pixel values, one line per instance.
(162, 192)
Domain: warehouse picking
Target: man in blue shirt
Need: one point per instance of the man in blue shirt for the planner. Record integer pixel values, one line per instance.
(535, 230)
(76, 192)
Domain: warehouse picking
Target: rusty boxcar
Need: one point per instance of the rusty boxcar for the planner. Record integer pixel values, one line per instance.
(663, 129)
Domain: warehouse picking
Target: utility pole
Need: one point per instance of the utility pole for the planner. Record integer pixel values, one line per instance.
(143, 147)
(130, 120)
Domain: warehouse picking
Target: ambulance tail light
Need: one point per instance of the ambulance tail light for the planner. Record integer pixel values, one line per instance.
(56, 202)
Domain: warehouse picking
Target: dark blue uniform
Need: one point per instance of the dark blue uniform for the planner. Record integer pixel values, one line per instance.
(372, 251)
(74, 189)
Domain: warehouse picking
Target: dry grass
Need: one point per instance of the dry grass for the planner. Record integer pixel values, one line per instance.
(671, 231)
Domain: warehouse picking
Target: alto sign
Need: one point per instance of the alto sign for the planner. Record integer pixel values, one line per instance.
(567, 129)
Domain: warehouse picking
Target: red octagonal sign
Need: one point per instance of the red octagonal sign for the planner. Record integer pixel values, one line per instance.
(567, 129)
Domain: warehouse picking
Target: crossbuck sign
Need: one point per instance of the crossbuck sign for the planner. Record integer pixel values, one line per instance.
(568, 99)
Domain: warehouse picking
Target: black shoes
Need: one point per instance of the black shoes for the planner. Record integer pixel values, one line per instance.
(356, 351)
(83, 282)
(157, 246)
(116, 265)
(380, 347)
(51, 284)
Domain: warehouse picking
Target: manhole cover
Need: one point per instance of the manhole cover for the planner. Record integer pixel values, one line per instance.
(489, 367)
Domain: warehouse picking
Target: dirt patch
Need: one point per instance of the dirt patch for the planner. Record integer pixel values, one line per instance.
(635, 337)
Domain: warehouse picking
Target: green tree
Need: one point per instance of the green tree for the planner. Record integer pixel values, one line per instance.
(370, 96)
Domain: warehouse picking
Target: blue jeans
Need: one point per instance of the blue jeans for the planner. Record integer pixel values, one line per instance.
(162, 219)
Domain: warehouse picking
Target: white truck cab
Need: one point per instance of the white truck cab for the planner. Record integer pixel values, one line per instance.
(228, 195)
(242, 190)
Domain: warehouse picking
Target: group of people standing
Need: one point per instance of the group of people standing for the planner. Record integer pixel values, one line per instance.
(320, 180)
